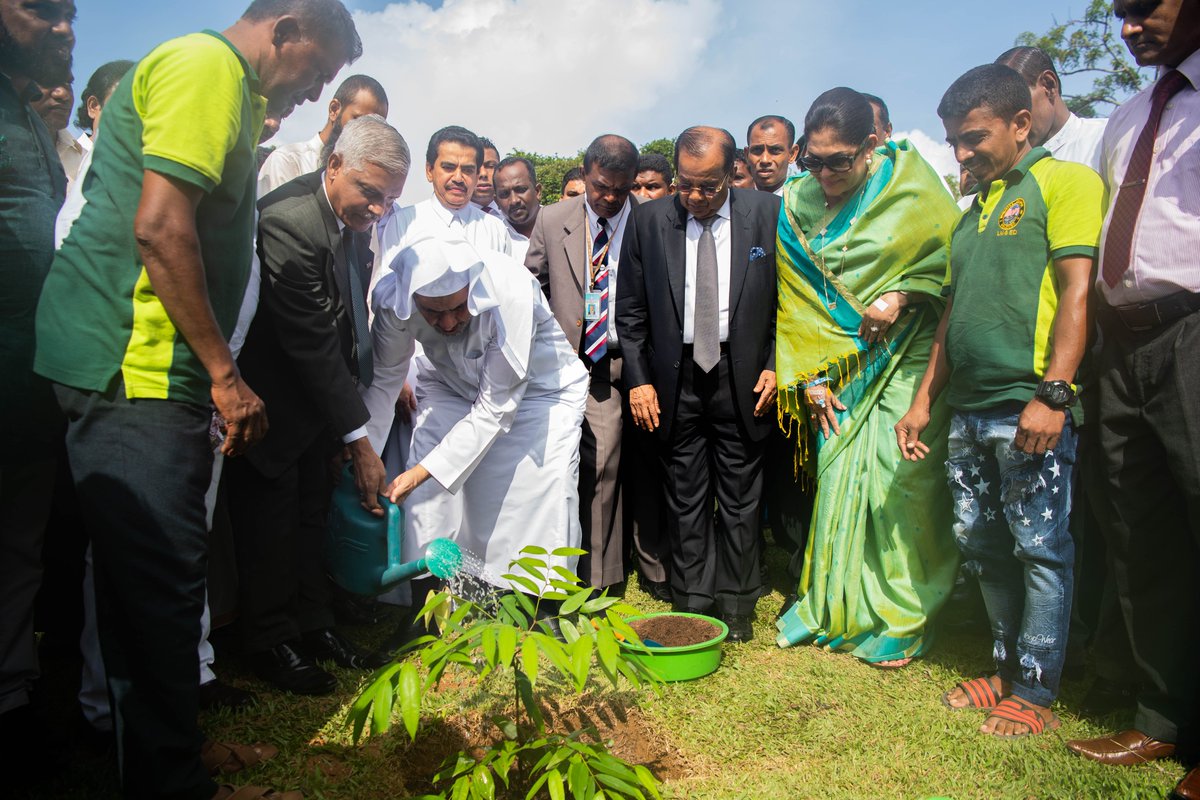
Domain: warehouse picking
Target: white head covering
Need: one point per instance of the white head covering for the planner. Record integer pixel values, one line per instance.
(435, 266)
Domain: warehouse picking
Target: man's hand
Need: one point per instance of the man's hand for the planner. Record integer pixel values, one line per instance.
(406, 404)
(405, 482)
(369, 475)
(643, 404)
(1039, 428)
(244, 414)
(908, 433)
(765, 389)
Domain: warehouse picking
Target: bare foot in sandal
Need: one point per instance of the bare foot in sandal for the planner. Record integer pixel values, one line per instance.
(1016, 717)
(895, 664)
(226, 758)
(976, 693)
(227, 792)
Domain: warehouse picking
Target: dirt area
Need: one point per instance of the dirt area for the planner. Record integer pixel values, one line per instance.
(670, 630)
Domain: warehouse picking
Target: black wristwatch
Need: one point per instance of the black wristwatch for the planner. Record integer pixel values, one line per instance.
(1056, 394)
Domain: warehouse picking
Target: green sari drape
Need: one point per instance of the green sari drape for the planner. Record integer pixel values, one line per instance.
(881, 558)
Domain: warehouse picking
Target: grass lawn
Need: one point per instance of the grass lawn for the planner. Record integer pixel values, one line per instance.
(770, 724)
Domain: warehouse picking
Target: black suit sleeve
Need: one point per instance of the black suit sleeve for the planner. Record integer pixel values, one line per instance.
(633, 328)
(535, 258)
(776, 206)
(297, 297)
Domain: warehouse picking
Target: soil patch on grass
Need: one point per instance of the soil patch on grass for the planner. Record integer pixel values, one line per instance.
(671, 630)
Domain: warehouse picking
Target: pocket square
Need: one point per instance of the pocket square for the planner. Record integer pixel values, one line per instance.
(757, 253)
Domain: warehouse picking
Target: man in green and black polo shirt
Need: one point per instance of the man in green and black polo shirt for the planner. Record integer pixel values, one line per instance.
(132, 329)
(1007, 351)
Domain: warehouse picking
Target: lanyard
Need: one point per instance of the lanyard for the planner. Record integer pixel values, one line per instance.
(589, 243)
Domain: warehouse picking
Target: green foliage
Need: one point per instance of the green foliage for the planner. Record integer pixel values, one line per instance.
(551, 634)
(550, 171)
(1091, 45)
(664, 147)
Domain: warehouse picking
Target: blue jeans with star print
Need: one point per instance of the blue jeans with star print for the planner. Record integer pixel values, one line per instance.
(1010, 519)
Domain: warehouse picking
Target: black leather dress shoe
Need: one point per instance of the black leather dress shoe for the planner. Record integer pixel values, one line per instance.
(741, 628)
(329, 645)
(286, 668)
(659, 590)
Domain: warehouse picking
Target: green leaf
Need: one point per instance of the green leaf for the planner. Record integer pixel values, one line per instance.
(647, 779)
(567, 552)
(598, 604)
(581, 660)
(489, 646)
(554, 784)
(507, 646)
(381, 711)
(461, 787)
(534, 550)
(608, 651)
(409, 688)
(573, 603)
(529, 660)
(482, 779)
(628, 789)
(513, 614)
(580, 779)
(570, 632)
(529, 702)
(523, 582)
(567, 575)
(555, 651)
(533, 790)
(507, 727)
(565, 586)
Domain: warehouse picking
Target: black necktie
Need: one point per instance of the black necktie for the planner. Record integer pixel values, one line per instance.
(361, 350)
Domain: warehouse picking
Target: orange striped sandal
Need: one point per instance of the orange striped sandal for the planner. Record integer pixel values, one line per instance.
(1014, 709)
(979, 692)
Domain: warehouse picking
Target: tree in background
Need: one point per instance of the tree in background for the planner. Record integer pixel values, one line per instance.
(1091, 46)
(664, 147)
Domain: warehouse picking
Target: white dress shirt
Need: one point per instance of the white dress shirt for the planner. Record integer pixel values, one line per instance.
(289, 161)
(1078, 140)
(721, 233)
(1166, 238)
(70, 153)
(430, 217)
(520, 243)
(616, 232)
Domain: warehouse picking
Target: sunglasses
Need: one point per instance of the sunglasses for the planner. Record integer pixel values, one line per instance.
(839, 162)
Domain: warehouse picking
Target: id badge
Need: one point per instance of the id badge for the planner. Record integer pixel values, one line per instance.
(591, 306)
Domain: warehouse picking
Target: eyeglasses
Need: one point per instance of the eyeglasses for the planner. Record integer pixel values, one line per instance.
(709, 191)
(839, 162)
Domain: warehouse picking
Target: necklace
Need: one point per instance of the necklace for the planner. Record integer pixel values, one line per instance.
(831, 302)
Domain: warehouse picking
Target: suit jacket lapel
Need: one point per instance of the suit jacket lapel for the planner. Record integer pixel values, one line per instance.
(340, 275)
(739, 250)
(675, 253)
(575, 243)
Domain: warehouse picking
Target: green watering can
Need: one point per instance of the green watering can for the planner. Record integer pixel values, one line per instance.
(362, 551)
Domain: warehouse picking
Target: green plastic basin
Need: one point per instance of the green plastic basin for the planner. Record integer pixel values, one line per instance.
(683, 663)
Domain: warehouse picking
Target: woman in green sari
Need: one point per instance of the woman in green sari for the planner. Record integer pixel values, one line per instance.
(862, 256)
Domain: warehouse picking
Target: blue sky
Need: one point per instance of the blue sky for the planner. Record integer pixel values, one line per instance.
(548, 75)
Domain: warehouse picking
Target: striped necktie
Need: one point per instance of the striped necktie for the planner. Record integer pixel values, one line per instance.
(1118, 243)
(595, 337)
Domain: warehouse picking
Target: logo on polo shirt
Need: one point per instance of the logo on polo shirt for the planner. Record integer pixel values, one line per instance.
(1010, 217)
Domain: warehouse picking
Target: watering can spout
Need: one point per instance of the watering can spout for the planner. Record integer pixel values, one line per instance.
(442, 558)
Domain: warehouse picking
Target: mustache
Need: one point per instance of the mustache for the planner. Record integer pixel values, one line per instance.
(44, 64)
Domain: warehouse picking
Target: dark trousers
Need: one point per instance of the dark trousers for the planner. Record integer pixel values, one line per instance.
(643, 486)
(141, 468)
(601, 514)
(1149, 395)
(25, 495)
(279, 528)
(715, 557)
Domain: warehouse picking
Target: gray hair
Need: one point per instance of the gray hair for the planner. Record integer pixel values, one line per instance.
(371, 140)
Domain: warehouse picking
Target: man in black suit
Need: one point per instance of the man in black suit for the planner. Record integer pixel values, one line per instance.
(696, 317)
(307, 352)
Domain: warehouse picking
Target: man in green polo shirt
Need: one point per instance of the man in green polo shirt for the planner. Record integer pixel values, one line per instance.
(132, 328)
(1006, 352)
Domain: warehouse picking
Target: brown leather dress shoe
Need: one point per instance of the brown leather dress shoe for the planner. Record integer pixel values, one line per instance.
(1123, 749)
(1189, 787)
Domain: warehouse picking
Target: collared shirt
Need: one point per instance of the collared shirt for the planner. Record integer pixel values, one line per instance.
(1002, 278)
(429, 217)
(191, 110)
(1166, 238)
(70, 153)
(1078, 140)
(721, 234)
(520, 242)
(289, 161)
(492, 210)
(616, 232)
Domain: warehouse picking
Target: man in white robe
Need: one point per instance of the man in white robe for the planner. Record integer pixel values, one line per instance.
(494, 463)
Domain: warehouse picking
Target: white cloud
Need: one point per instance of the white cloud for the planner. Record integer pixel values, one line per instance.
(935, 151)
(541, 75)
